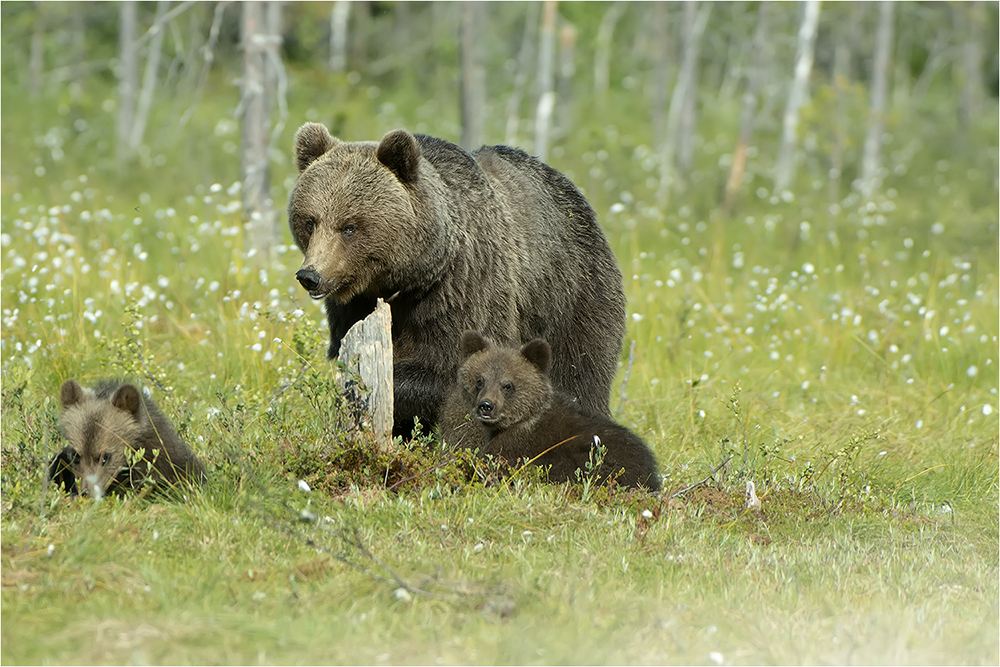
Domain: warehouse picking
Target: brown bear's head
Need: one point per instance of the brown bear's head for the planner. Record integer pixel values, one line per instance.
(504, 387)
(101, 433)
(352, 212)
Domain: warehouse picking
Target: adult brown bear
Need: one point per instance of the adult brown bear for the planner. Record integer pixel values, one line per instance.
(494, 241)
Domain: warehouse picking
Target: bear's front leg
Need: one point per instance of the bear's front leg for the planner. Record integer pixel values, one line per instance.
(60, 470)
(418, 391)
(342, 316)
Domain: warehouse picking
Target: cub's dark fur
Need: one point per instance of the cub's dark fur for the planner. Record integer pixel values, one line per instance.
(504, 405)
(105, 426)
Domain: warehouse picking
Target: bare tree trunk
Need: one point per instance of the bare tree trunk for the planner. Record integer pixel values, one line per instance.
(841, 83)
(797, 96)
(754, 78)
(521, 78)
(546, 95)
(127, 76)
(969, 19)
(871, 163)
(686, 128)
(661, 70)
(602, 55)
(359, 35)
(36, 61)
(255, 111)
(567, 68)
(338, 35)
(685, 79)
(366, 352)
(208, 53)
(148, 79)
(79, 55)
(471, 82)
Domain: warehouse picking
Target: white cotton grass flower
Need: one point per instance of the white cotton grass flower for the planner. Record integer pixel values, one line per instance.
(303, 486)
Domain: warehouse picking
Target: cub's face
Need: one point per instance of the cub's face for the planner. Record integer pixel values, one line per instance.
(351, 213)
(99, 432)
(504, 387)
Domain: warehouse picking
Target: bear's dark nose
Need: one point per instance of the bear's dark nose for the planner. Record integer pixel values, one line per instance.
(308, 279)
(485, 409)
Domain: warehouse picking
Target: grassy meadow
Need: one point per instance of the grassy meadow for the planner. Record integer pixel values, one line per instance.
(839, 354)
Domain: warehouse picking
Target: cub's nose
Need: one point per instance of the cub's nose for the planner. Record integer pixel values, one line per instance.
(308, 279)
(485, 408)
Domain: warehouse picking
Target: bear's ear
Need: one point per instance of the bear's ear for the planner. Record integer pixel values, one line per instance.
(539, 353)
(399, 151)
(312, 141)
(71, 393)
(472, 342)
(127, 399)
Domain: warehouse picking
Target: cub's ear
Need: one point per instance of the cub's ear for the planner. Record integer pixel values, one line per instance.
(127, 398)
(539, 353)
(472, 342)
(311, 141)
(71, 393)
(399, 151)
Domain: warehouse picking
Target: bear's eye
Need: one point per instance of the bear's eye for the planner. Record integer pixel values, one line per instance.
(480, 383)
(348, 231)
(105, 458)
(310, 226)
(507, 388)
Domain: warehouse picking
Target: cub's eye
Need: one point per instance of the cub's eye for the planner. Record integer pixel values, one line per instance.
(105, 459)
(348, 231)
(310, 226)
(507, 388)
(480, 383)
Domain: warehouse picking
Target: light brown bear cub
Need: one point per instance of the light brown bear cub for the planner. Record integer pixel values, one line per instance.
(106, 427)
(504, 405)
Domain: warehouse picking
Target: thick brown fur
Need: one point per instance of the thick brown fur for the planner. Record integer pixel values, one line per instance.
(494, 241)
(105, 427)
(504, 405)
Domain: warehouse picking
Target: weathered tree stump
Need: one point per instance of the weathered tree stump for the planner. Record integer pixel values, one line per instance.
(366, 351)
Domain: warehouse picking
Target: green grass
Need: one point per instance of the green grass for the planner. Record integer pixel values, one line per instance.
(844, 360)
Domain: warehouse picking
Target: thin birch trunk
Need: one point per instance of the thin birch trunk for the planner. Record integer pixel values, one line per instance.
(684, 80)
(471, 80)
(36, 60)
(970, 18)
(602, 54)
(686, 128)
(148, 79)
(255, 129)
(749, 112)
(546, 95)
(567, 68)
(871, 163)
(338, 35)
(521, 78)
(796, 97)
(661, 70)
(127, 76)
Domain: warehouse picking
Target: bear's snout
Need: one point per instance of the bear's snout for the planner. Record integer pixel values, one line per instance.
(309, 279)
(486, 411)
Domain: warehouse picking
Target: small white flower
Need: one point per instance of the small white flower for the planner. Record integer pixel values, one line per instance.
(716, 657)
(303, 486)
(402, 595)
(987, 409)
(647, 514)
(971, 371)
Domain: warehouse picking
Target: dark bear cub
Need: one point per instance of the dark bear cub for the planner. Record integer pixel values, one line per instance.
(118, 439)
(504, 405)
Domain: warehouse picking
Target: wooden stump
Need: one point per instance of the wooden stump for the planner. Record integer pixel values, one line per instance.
(366, 351)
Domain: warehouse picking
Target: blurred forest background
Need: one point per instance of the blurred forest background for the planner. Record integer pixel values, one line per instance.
(703, 104)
